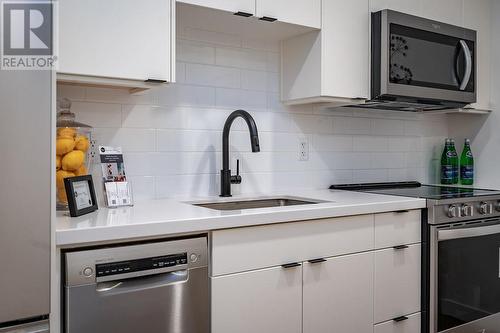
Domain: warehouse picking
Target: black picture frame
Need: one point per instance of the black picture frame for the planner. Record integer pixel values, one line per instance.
(71, 195)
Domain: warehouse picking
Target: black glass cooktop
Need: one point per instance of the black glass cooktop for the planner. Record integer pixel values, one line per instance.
(416, 190)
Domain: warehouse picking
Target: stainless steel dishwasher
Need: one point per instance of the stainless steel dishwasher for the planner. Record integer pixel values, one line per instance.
(159, 287)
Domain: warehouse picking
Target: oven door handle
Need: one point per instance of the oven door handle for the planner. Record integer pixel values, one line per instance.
(142, 283)
(468, 65)
(468, 232)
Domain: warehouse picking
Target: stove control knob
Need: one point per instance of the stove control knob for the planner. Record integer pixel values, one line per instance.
(485, 208)
(453, 211)
(467, 210)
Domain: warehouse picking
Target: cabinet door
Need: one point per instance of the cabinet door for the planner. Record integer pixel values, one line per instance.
(338, 295)
(264, 301)
(344, 56)
(302, 12)
(477, 17)
(247, 6)
(446, 11)
(397, 282)
(122, 39)
(405, 6)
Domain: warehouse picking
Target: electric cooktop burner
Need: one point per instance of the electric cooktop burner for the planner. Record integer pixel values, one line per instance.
(416, 190)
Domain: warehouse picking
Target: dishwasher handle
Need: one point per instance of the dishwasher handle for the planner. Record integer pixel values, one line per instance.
(142, 283)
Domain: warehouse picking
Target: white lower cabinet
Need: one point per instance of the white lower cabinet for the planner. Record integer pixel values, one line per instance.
(408, 324)
(397, 282)
(338, 295)
(366, 286)
(264, 301)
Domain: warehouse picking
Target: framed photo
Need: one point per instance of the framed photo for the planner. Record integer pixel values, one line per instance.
(81, 195)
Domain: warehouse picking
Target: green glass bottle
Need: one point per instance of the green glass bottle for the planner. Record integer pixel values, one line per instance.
(454, 162)
(446, 164)
(467, 165)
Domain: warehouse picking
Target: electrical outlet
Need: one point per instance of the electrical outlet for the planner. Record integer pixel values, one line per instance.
(303, 149)
(93, 153)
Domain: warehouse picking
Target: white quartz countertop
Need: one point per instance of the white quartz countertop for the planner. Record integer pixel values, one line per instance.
(166, 217)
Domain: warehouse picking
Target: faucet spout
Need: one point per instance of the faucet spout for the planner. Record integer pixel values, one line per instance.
(226, 178)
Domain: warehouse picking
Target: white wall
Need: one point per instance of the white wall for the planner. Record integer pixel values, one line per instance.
(172, 135)
(484, 131)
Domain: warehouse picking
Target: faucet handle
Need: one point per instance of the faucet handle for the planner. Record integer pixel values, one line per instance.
(236, 179)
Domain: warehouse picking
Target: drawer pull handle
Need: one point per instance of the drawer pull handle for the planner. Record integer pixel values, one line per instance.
(316, 261)
(268, 19)
(291, 265)
(243, 14)
(402, 211)
(155, 81)
(400, 319)
(400, 247)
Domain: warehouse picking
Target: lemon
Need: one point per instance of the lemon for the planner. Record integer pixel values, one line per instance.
(81, 143)
(82, 171)
(66, 132)
(61, 195)
(58, 162)
(64, 145)
(73, 160)
(60, 175)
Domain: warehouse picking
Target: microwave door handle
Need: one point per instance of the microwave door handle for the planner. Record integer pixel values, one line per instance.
(142, 283)
(468, 65)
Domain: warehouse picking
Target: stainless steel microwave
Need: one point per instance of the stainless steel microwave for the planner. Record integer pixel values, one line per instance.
(420, 63)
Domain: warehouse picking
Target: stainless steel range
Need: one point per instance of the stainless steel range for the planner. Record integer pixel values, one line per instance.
(460, 255)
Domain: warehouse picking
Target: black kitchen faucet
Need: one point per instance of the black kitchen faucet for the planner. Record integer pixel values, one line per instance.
(225, 174)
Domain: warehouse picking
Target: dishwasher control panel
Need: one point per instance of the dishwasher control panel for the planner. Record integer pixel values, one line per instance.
(121, 262)
(143, 264)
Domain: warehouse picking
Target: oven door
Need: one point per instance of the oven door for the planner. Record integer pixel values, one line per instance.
(428, 60)
(465, 278)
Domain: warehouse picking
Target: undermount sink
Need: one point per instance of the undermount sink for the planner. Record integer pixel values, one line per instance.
(257, 203)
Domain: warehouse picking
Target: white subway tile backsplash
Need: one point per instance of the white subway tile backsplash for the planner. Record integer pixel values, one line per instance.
(216, 76)
(98, 114)
(370, 143)
(188, 51)
(172, 135)
(189, 140)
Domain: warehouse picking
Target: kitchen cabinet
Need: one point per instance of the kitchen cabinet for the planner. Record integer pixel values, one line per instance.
(405, 6)
(343, 279)
(477, 16)
(233, 6)
(338, 294)
(447, 11)
(331, 65)
(264, 301)
(397, 282)
(301, 12)
(103, 42)
(409, 325)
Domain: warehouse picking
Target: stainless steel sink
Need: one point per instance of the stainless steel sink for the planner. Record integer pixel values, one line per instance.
(257, 203)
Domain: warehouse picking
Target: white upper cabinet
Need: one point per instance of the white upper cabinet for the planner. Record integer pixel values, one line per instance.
(331, 65)
(405, 6)
(234, 6)
(447, 11)
(117, 39)
(301, 12)
(477, 17)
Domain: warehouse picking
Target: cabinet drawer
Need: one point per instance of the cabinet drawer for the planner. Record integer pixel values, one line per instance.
(243, 249)
(397, 282)
(397, 228)
(410, 325)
